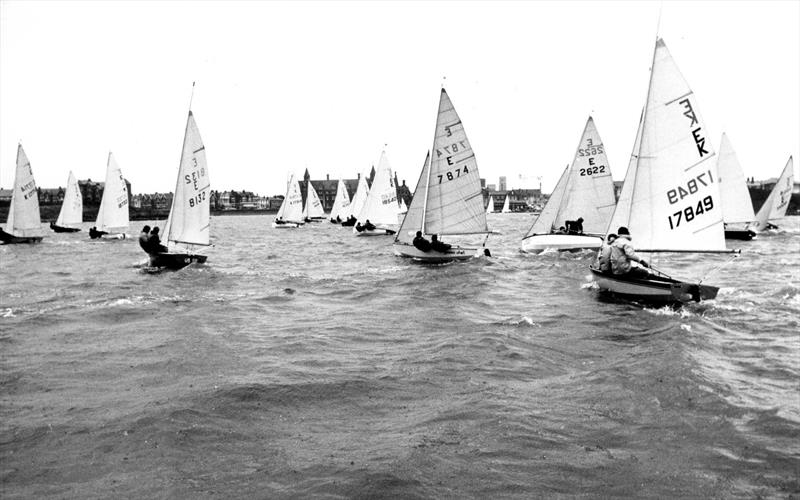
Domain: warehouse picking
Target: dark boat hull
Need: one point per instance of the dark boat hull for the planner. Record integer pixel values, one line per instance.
(10, 239)
(739, 234)
(62, 229)
(657, 291)
(175, 261)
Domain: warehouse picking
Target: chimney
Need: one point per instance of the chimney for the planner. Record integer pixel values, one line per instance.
(327, 177)
(359, 176)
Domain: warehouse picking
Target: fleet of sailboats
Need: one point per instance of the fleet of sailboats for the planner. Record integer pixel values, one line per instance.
(71, 214)
(113, 216)
(24, 224)
(585, 191)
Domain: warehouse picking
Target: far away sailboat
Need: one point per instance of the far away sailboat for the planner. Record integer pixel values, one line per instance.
(23, 224)
(357, 203)
(340, 203)
(490, 205)
(584, 191)
(290, 214)
(670, 201)
(71, 214)
(312, 211)
(112, 218)
(506, 205)
(778, 200)
(448, 199)
(737, 208)
(189, 218)
(380, 207)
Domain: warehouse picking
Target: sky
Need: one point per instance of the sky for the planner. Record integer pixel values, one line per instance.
(284, 87)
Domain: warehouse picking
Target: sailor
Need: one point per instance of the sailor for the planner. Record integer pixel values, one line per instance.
(154, 242)
(369, 226)
(421, 243)
(561, 230)
(574, 226)
(359, 227)
(604, 255)
(94, 233)
(144, 238)
(438, 245)
(623, 253)
(279, 220)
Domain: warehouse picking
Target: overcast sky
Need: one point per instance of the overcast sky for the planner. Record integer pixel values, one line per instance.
(283, 87)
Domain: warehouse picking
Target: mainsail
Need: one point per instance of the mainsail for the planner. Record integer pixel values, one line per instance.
(190, 215)
(734, 195)
(674, 197)
(506, 204)
(490, 205)
(23, 214)
(545, 221)
(357, 203)
(778, 200)
(71, 213)
(381, 206)
(113, 213)
(292, 207)
(313, 208)
(341, 202)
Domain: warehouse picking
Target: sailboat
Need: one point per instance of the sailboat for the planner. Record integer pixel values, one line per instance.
(380, 207)
(357, 203)
(340, 203)
(312, 211)
(23, 224)
(189, 218)
(670, 201)
(584, 191)
(737, 208)
(71, 214)
(290, 214)
(506, 205)
(448, 199)
(490, 205)
(112, 218)
(778, 200)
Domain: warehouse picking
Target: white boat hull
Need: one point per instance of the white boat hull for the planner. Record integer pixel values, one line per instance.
(561, 242)
(378, 231)
(432, 256)
(286, 225)
(656, 291)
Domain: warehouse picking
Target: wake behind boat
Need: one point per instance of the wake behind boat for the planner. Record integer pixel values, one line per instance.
(24, 224)
(577, 213)
(448, 199)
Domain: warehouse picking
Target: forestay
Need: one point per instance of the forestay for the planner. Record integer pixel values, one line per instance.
(71, 213)
(113, 213)
(674, 185)
(341, 202)
(734, 195)
(190, 216)
(778, 200)
(23, 214)
(381, 206)
(454, 199)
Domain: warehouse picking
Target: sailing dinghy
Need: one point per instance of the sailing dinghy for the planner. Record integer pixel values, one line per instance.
(380, 207)
(190, 214)
(737, 208)
(778, 200)
(312, 211)
(23, 224)
(490, 205)
(71, 214)
(112, 218)
(584, 191)
(670, 200)
(290, 214)
(357, 203)
(448, 199)
(506, 205)
(340, 203)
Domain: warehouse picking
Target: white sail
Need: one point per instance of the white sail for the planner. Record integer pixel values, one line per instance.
(71, 213)
(380, 207)
(113, 213)
(190, 215)
(453, 199)
(341, 202)
(778, 200)
(413, 219)
(506, 204)
(292, 207)
(313, 208)
(357, 203)
(734, 195)
(23, 214)
(545, 222)
(675, 200)
(621, 216)
(490, 205)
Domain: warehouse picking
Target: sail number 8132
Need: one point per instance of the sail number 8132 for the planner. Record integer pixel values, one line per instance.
(689, 213)
(197, 199)
(450, 175)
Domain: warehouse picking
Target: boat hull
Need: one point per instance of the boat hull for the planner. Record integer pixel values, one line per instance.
(62, 229)
(740, 234)
(175, 261)
(286, 225)
(562, 242)
(432, 256)
(373, 232)
(666, 291)
(10, 239)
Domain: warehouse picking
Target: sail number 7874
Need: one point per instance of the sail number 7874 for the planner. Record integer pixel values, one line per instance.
(453, 174)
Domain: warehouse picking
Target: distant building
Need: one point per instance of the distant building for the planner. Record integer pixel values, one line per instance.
(326, 189)
(502, 183)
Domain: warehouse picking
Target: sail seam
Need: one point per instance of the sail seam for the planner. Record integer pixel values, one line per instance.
(699, 162)
(679, 97)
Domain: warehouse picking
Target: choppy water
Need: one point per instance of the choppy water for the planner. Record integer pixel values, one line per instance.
(311, 363)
